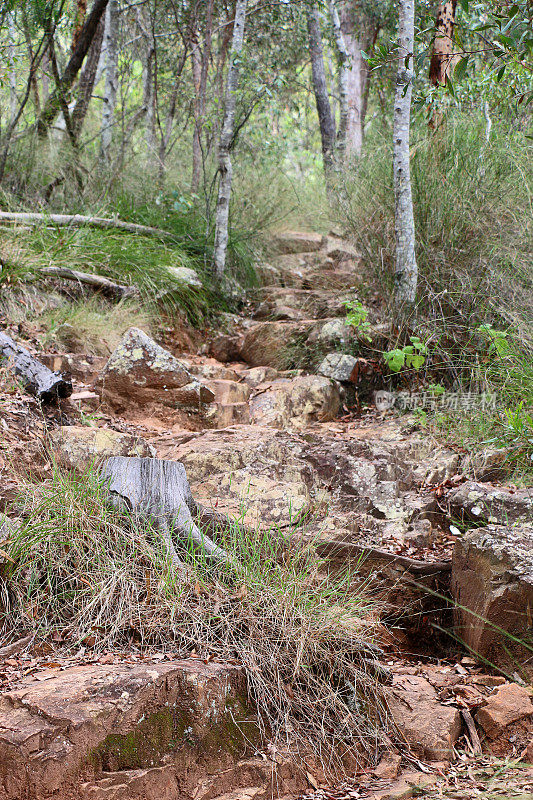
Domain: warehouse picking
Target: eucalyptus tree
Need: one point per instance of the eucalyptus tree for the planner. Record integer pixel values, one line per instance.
(405, 266)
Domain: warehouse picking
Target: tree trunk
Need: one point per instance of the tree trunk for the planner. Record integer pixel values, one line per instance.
(38, 379)
(323, 107)
(344, 61)
(358, 34)
(12, 68)
(226, 142)
(148, 103)
(441, 58)
(406, 271)
(87, 80)
(79, 19)
(88, 31)
(111, 81)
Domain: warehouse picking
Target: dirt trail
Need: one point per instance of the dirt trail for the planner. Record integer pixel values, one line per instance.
(279, 445)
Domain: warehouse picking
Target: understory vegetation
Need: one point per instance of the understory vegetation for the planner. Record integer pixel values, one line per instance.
(82, 574)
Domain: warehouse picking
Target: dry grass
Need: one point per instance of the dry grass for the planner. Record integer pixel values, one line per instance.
(88, 575)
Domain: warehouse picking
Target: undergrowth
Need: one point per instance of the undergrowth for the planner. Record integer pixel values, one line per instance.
(474, 223)
(82, 574)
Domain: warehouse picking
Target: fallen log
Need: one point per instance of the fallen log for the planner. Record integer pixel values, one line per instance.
(158, 492)
(38, 379)
(348, 550)
(102, 284)
(80, 221)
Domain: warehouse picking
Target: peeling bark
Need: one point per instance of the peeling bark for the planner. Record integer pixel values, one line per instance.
(344, 60)
(441, 65)
(405, 268)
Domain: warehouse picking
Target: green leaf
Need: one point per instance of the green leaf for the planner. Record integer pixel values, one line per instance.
(464, 5)
(500, 74)
(460, 69)
(395, 360)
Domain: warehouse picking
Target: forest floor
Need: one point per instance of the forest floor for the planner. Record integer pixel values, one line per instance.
(285, 446)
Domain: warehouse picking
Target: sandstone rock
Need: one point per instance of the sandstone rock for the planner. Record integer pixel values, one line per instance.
(490, 464)
(332, 331)
(389, 766)
(430, 728)
(340, 250)
(251, 473)
(82, 367)
(285, 402)
(339, 366)
(498, 505)
(313, 303)
(339, 280)
(256, 375)
(492, 585)
(225, 348)
(186, 276)
(92, 720)
(141, 373)
(508, 704)
(297, 242)
(269, 343)
(78, 447)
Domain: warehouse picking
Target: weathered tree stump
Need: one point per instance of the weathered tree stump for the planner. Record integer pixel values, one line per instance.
(38, 379)
(158, 491)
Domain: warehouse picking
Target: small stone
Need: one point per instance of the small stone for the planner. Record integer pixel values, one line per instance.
(186, 276)
(508, 704)
(429, 727)
(339, 366)
(389, 766)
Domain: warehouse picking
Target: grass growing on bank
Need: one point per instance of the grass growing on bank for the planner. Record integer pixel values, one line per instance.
(81, 573)
(474, 223)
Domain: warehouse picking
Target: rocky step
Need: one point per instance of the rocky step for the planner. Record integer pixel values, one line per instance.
(285, 303)
(130, 730)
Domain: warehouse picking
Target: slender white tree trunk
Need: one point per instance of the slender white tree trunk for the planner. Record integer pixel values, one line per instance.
(344, 60)
(405, 268)
(13, 105)
(111, 80)
(225, 142)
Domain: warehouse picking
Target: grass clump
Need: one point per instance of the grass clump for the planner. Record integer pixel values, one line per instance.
(80, 572)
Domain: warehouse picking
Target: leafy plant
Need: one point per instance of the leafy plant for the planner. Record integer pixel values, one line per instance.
(498, 340)
(357, 317)
(410, 356)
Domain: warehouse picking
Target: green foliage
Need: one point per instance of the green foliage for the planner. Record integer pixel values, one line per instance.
(498, 340)
(357, 317)
(410, 356)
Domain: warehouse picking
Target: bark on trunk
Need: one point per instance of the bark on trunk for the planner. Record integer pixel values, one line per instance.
(79, 19)
(344, 61)
(323, 107)
(111, 81)
(87, 80)
(441, 58)
(88, 31)
(405, 270)
(359, 33)
(12, 68)
(159, 492)
(225, 143)
(38, 379)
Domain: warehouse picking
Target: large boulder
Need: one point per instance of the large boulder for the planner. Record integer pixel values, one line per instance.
(141, 374)
(250, 473)
(288, 403)
(78, 447)
(297, 242)
(495, 504)
(61, 734)
(492, 585)
(430, 728)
